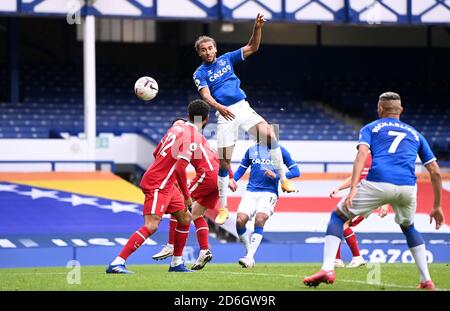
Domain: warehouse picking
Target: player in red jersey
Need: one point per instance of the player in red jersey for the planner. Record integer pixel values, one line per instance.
(349, 234)
(179, 146)
(203, 189)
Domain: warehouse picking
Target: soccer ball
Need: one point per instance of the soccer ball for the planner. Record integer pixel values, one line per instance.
(146, 88)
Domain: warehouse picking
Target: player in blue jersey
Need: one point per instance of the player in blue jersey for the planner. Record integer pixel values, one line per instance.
(261, 195)
(391, 180)
(220, 88)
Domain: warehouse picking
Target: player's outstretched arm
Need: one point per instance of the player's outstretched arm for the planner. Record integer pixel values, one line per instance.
(344, 185)
(232, 183)
(224, 111)
(255, 40)
(436, 181)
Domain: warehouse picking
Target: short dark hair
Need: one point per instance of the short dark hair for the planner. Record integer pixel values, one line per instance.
(178, 119)
(386, 96)
(198, 108)
(203, 39)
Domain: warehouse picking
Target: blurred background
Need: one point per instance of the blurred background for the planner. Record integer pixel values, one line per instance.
(75, 140)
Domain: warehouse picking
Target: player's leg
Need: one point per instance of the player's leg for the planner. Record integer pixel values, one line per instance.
(153, 210)
(222, 183)
(265, 134)
(247, 208)
(405, 209)
(227, 135)
(352, 242)
(241, 229)
(181, 234)
(333, 236)
(257, 235)
(265, 206)
(183, 216)
(202, 230)
(338, 262)
(167, 249)
(368, 198)
(151, 223)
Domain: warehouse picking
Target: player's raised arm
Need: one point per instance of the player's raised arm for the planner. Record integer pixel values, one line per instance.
(436, 182)
(255, 40)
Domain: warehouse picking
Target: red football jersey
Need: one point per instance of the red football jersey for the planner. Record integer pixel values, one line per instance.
(206, 159)
(367, 166)
(180, 142)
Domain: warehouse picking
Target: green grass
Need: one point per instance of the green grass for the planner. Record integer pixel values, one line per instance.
(269, 277)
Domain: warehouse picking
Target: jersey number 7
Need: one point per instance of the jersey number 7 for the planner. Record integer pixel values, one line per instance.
(398, 138)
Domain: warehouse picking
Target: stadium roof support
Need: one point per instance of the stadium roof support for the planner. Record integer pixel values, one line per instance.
(90, 100)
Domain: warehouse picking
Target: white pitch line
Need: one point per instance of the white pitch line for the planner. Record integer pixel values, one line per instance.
(339, 280)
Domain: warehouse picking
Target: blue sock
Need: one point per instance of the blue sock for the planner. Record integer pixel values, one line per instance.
(241, 231)
(413, 237)
(259, 230)
(335, 225)
(223, 173)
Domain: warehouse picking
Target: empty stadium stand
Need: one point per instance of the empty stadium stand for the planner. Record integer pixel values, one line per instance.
(52, 104)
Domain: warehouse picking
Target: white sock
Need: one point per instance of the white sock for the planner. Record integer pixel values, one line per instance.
(222, 184)
(277, 158)
(329, 252)
(118, 261)
(254, 244)
(176, 261)
(244, 240)
(420, 257)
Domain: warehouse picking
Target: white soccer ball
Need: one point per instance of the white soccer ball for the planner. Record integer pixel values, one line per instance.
(146, 88)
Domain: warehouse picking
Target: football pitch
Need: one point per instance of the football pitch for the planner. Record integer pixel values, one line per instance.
(221, 277)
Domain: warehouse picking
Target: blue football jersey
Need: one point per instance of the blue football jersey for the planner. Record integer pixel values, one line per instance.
(258, 159)
(219, 77)
(394, 146)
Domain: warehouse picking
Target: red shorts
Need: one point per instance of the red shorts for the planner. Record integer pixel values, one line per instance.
(204, 190)
(355, 221)
(160, 203)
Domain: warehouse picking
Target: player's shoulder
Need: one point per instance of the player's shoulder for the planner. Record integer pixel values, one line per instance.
(200, 70)
(178, 129)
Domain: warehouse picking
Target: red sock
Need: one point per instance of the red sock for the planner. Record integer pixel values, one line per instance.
(135, 241)
(338, 255)
(202, 232)
(172, 225)
(350, 238)
(181, 234)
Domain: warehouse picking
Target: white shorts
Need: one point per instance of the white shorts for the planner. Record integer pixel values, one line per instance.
(371, 195)
(245, 118)
(257, 202)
